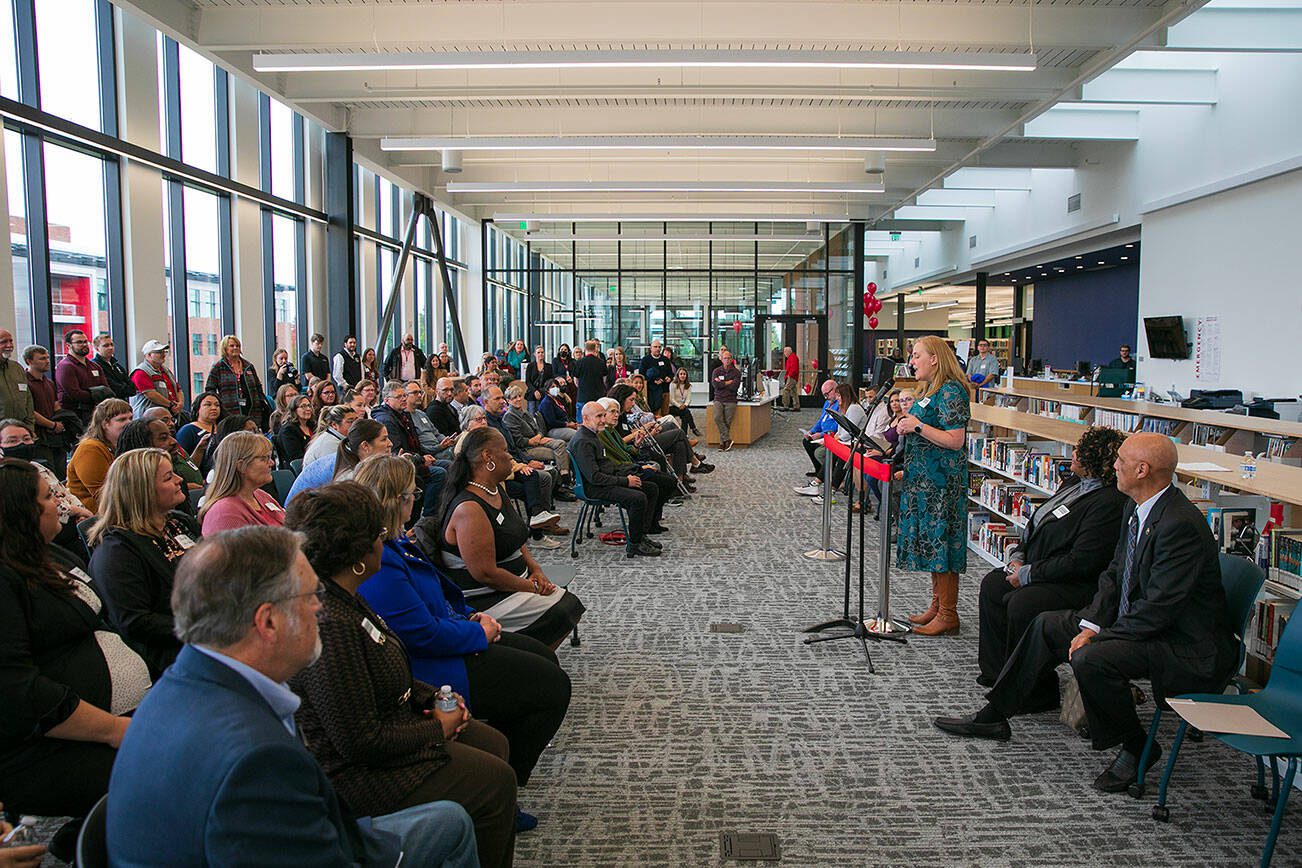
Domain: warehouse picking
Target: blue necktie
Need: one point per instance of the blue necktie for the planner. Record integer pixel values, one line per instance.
(1132, 540)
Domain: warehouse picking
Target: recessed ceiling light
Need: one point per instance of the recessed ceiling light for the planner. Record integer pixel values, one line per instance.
(1124, 258)
(1080, 266)
(1128, 246)
(1062, 269)
(1101, 262)
(1078, 257)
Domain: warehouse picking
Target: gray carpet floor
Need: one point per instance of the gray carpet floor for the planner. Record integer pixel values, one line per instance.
(676, 734)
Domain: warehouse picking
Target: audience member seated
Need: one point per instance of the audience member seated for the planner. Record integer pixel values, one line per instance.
(432, 440)
(372, 726)
(332, 427)
(825, 424)
(524, 484)
(461, 398)
(154, 433)
(494, 407)
(365, 438)
(280, 407)
(213, 771)
(524, 428)
(1066, 544)
(235, 498)
(362, 397)
(322, 394)
(441, 411)
(511, 682)
(680, 402)
(296, 429)
(623, 484)
(558, 411)
(479, 541)
(620, 452)
(65, 681)
(1159, 613)
(135, 544)
(227, 426)
(671, 451)
(94, 453)
(195, 436)
(17, 440)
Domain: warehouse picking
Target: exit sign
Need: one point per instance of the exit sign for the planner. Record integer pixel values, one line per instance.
(895, 236)
(524, 225)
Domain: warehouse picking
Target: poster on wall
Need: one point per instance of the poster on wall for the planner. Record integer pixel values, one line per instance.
(1207, 350)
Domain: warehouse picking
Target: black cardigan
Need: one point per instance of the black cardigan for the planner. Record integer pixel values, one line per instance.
(134, 580)
(537, 380)
(49, 662)
(1076, 548)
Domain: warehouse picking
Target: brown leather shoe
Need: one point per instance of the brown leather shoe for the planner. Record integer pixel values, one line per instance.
(925, 617)
(946, 621)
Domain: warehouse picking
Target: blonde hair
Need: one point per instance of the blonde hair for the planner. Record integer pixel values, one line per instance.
(277, 351)
(226, 340)
(947, 367)
(104, 411)
(234, 453)
(129, 498)
(389, 477)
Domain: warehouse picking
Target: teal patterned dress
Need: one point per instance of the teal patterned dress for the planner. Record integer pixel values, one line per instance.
(933, 493)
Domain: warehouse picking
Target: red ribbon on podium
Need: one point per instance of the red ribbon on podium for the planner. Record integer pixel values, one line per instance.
(867, 466)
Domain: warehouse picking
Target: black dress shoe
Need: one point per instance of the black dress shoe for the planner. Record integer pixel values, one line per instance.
(985, 680)
(655, 544)
(645, 549)
(967, 726)
(703, 467)
(1124, 770)
(565, 495)
(657, 528)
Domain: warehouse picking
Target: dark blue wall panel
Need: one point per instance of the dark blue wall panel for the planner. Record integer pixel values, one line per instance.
(1086, 316)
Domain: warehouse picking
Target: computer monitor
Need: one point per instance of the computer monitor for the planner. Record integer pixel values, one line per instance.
(1083, 368)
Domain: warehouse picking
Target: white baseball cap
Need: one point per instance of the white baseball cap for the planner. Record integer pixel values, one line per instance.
(154, 347)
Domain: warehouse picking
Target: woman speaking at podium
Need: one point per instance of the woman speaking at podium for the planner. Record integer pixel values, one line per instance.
(933, 494)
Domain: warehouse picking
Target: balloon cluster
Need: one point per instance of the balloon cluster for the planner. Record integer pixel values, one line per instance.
(871, 305)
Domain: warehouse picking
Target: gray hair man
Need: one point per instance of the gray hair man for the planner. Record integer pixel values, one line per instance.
(530, 437)
(214, 749)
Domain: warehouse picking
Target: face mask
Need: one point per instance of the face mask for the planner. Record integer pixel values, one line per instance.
(25, 451)
(565, 354)
(553, 391)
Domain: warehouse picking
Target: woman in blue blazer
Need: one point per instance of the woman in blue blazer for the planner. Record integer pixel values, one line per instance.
(511, 682)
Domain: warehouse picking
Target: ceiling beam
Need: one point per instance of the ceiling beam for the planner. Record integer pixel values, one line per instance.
(1152, 87)
(729, 23)
(1080, 122)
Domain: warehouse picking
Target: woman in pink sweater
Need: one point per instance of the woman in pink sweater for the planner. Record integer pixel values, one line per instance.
(235, 498)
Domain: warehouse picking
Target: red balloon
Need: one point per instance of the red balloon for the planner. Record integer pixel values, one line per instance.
(877, 304)
(736, 326)
(872, 322)
(872, 288)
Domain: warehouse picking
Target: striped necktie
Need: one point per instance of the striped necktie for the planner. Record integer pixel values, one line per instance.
(1132, 540)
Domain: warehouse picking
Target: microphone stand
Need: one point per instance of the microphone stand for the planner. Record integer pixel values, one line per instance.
(859, 628)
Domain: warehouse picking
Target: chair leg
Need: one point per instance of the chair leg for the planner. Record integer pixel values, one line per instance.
(1160, 811)
(1137, 788)
(1269, 849)
(1274, 786)
(578, 527)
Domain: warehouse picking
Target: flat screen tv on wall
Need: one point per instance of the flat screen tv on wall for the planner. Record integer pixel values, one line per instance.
(1166, 337)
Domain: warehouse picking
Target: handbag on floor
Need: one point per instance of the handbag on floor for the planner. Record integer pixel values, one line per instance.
(1073, 707)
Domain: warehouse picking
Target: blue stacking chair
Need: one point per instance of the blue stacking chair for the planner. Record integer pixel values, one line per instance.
(1280, 702)
(297, 466)
(284, 481)
(1242, 581)
(588, 509)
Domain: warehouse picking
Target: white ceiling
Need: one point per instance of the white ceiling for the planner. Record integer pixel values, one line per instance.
(975, 117)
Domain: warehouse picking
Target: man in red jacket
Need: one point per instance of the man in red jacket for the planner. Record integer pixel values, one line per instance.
(790, 398)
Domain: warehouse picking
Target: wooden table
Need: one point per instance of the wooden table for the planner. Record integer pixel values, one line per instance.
(753, 421)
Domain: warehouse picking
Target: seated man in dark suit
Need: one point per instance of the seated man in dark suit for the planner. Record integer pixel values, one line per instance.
(1159, 613)
(1067, 543)
(622, 483)
(213, 770)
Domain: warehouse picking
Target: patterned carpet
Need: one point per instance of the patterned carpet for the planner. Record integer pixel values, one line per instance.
(676, 734)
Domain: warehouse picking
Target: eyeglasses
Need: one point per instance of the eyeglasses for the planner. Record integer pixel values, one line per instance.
(409, 495)
(319, 593)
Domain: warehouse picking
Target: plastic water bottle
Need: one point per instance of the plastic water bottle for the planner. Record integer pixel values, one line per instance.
(22, 834)
(447, 700)
(1248, 468)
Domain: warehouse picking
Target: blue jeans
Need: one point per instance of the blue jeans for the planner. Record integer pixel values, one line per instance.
(434, 834)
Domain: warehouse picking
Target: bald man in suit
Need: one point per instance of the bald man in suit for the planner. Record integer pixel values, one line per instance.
(1159, 613)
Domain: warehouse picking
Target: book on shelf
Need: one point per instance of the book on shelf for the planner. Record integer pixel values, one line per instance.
(1269, 619)
(1286, 550)
(1277, 447)
(1126, 422)
(1206, 435)
(1165, 427)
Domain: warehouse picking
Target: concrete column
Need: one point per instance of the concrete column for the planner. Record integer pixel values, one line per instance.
(246, 226)
(142, 189)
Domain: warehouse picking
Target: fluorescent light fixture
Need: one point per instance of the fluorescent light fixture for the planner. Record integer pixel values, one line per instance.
(610, 236)
(367, 61)
(937, 305)
(663, 187)
(657, 142)
(918, 309)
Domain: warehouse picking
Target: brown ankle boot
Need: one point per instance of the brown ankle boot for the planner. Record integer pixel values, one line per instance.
(946, 621)
(925, 617)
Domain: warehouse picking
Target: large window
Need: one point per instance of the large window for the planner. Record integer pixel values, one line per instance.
(78, 250)
(198, 109)
(284, 238)
(203, 263)
(24, 332)
(67, 38)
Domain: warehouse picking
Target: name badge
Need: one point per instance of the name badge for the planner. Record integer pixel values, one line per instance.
(273, 506)
(22, 387)
(1061, 511)
(374, 632)
(924, 402)
(184, 541)
(80, 575)
(500, 518)
(94, 373)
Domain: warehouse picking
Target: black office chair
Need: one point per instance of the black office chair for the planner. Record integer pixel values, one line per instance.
(83, 528)
(92, 841)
